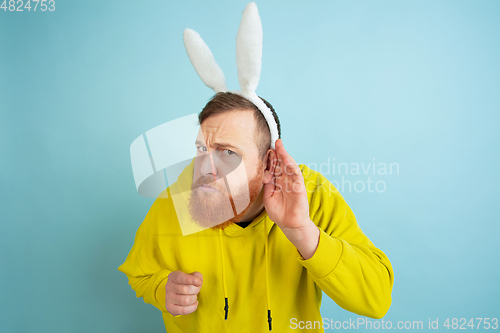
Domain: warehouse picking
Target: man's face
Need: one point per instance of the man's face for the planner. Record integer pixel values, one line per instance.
(228, 174)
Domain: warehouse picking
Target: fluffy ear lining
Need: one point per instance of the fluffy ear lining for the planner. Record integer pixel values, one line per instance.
(249, 48)
(203, 61)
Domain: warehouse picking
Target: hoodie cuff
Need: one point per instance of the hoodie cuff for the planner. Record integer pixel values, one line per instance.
(161, 293)
(326, 257)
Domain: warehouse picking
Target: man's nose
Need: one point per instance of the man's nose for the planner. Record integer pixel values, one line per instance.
(208, 165)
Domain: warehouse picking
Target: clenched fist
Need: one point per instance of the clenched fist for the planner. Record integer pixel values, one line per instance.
(182, 292)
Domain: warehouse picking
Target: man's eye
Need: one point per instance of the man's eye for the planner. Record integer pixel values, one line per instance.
(201, 148)
(229, 152)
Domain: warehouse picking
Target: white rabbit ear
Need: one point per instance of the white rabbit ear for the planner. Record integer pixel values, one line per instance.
(249, 48)
(203, 61)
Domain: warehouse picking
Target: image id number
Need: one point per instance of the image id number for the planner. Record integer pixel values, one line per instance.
(21, 6)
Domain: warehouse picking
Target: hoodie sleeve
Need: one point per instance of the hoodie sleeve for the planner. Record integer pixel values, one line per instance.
(144, 267)
(346, 265)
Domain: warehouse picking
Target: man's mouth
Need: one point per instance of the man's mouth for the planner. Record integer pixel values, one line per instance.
(206, 188)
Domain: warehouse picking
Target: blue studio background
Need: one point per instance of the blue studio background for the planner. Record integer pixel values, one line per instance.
(412, 83)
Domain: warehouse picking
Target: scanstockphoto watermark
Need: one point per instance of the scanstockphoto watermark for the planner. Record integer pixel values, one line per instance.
(359, 323)
(481, 323)
(359, 177)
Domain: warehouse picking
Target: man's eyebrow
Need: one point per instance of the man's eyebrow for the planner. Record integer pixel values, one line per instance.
(219, 144)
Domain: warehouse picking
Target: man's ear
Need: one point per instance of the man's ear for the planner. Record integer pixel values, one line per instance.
(271, 160)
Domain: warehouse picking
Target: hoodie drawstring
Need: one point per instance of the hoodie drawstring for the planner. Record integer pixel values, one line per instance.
(226, 306)
(269, 319)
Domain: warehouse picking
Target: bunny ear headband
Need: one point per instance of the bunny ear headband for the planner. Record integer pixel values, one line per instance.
(248, 61)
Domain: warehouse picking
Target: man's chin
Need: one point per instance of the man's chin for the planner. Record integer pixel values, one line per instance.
(207, 213)
(207, 210)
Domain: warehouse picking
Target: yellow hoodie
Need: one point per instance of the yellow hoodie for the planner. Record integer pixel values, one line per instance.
(346, 266)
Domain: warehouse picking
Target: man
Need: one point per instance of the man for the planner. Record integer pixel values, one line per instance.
(295, 238)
